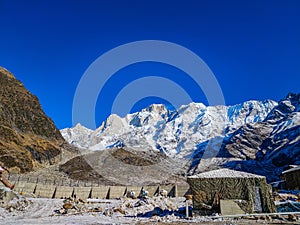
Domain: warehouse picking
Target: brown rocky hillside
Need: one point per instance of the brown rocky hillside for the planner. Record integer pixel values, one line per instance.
(123, 166)
(28, 137)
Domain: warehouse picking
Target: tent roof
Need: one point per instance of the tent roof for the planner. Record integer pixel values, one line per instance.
(225, 173)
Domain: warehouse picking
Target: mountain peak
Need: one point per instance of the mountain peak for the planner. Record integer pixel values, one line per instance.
(79, 125)
(175, 132)
(241, 135)
(5, 72)
(159, 108)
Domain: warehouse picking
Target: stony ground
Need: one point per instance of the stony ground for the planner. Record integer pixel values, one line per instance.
(22, 210)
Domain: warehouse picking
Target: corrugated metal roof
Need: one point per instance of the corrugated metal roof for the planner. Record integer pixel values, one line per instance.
(291, 170)
(225, 173)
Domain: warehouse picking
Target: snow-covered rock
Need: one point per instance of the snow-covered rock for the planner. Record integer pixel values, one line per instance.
(78, 135)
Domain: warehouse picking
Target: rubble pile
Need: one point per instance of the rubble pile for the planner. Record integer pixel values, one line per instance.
(130, 207)
(73, 206)
(18, 204)
(13, 202)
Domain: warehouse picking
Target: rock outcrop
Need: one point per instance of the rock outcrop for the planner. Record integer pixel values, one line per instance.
(28, 137)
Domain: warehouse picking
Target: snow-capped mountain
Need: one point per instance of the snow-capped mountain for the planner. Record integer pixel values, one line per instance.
(78, 136)
(261, 137)
(269, 146)
(177, 132)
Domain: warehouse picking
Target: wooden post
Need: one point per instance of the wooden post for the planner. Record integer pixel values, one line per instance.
(188, 198)
(186, 209)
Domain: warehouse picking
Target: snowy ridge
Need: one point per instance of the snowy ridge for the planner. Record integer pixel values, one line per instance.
(177, 132)
(78, 136)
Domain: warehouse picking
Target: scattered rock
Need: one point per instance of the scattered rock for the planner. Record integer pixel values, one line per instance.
(17, 204)
(120, 210)
(157, 218)
(292, 217)
(108, 212)
(262, 218)
(98, 209)
(269, 218)
(68, 205)
(129, 205)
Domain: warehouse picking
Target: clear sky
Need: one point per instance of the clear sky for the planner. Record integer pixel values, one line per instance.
(252, 47)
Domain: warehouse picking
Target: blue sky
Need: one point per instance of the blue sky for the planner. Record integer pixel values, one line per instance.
(252, 47)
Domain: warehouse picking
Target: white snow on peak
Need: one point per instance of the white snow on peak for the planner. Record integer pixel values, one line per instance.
(173, 132)
(78, 136)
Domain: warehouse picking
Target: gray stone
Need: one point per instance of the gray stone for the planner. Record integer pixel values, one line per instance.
(6, 195)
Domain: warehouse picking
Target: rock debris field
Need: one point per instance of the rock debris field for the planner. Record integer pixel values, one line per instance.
(25, 209)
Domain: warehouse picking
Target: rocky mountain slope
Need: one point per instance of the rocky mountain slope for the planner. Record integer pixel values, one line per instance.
(255, 136)
(28, 137)
(269, 146)
(124, 166)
